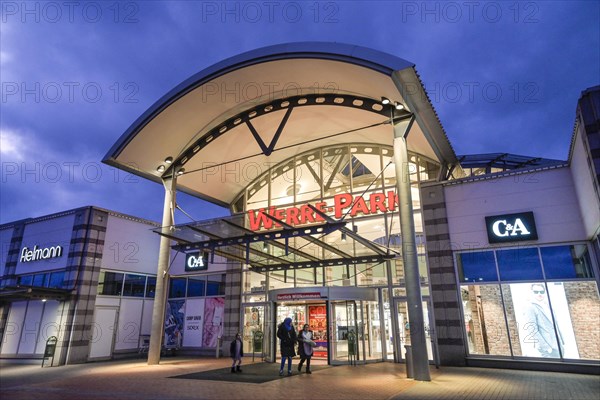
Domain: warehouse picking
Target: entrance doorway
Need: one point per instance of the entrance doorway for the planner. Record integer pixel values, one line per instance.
(312, 313)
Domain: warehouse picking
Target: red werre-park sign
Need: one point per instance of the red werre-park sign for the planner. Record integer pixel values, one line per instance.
(302, 215)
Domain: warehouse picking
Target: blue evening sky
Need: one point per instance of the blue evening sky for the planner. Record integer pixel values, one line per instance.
(504, 76)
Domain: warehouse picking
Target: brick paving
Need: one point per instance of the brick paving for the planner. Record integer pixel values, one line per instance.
(134, 379)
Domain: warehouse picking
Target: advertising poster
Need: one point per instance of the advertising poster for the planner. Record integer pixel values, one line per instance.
(174, 322)
(538, 335)
(317, 320)
(194, 322)
(214, 309)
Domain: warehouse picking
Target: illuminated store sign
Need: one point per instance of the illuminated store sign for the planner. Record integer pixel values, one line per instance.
(300, 296)
(511, 227)
(197, 261)
(40, 254)
(342, 203)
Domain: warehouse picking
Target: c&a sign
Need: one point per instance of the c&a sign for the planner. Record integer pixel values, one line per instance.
(511, 227)
(196, 261)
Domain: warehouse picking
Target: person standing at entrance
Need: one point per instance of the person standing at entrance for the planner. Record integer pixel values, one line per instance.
(236, 350)
(287, 335)
(305, 347)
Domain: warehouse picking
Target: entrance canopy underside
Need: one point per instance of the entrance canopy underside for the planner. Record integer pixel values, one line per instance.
(328, 243)
(224, 126)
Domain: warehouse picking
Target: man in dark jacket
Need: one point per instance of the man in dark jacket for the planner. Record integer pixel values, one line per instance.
(287, 336)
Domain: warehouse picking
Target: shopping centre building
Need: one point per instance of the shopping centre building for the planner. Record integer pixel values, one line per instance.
(350, 211)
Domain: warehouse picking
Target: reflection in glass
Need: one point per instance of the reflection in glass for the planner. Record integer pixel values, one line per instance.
(484, 320)
(110, 283)
(519, 264)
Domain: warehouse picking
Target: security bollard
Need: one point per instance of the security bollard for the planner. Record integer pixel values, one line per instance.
(219, 340)
(409, 361)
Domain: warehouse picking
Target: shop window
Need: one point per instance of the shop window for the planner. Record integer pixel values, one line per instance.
(576, 307)
(305, 277)
(25, 280)
(151, 286)
(177, 287)
(254, 282)
(215, 285)
(40, 280)
(484, 320)
(56, 280)
(196, 286)
(519, 264)
(110, 283)
(566, 262)
(134, 285)
(477, 266)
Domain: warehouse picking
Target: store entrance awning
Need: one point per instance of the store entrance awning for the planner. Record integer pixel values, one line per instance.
(327, 243)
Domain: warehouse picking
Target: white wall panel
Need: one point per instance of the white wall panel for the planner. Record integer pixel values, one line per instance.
(130, 246)
(31, 327)
(147, 317)
(50, 324)
(130, 319)
(14, 325)
(582, 179)
(549, 194)
(103, 332)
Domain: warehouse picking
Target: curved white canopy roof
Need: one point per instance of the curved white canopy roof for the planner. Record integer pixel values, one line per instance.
(295, 97)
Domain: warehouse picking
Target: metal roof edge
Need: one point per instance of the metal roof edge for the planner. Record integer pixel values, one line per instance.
(366, 57)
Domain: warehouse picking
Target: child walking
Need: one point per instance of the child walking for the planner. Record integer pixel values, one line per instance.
(236, 350)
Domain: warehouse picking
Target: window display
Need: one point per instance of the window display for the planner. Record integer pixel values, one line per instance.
(537, 318)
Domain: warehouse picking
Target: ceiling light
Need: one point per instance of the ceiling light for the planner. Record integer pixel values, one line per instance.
(343, 237)
(265, 247)
(180, 171)
(169, 160)
(399, 106)
(385, 100)
(161, 168)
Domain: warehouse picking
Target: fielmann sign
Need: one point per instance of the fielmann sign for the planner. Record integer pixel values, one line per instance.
(342, 203)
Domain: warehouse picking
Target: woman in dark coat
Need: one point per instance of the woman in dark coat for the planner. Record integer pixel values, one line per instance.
(287, 335)
(305, 347)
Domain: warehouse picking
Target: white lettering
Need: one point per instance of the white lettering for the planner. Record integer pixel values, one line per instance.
(496, 228)
(519, 226)
(195, 262)
(40, 254)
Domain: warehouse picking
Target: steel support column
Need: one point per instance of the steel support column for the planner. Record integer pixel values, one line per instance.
(160, 292)
(409, 251)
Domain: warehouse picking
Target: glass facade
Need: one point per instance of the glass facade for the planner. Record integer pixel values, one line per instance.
(124, 284)
(537, 302)
(354, 183)
(363, 172)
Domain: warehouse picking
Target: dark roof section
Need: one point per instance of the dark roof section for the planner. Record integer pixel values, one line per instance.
(505, 161)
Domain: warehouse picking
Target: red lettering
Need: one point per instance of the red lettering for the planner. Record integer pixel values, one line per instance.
(392, 200)
(321, 206)
(256, 219)
(341, 201)
(292, 216)
(377, 202)
(280, 215)
(360, 206)
(306, 214)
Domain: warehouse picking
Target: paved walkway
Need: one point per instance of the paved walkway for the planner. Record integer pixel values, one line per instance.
(134, 379)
